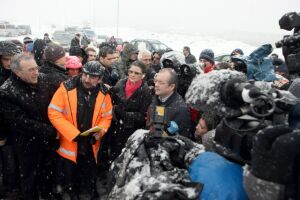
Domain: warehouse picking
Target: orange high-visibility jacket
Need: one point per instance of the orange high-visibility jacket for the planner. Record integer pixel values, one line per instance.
(62, 112)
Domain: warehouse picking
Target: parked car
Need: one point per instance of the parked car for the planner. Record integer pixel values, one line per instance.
(24, 29)
(72, 30)
(91, 35)
(149, 44)
(100, 39)
(8, 30)
(63, 39)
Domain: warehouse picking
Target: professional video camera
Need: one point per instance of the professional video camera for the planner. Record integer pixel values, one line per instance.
(254, 109)
(185, 73)
(291, 43)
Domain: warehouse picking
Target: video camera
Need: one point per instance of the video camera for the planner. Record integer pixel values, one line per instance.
(291, 43)
(252, 109)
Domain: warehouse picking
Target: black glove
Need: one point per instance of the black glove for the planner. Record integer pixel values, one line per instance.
(274, 154)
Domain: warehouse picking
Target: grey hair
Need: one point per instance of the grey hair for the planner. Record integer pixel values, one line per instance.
(142, 52)
(16, 60)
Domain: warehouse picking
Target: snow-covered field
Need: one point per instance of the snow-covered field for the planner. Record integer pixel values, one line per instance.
(172, 39)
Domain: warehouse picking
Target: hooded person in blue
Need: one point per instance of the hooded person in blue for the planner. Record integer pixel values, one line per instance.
(222, 179)
(259, 66)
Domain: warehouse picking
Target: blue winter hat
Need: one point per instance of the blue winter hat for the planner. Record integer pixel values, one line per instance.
(208, 55)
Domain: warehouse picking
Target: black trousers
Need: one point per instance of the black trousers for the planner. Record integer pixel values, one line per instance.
(37, 169)
(78, 179)
(9, 167)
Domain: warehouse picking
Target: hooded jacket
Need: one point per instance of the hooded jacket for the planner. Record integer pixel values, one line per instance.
(125, 62)
(259, 67)
(56, 74)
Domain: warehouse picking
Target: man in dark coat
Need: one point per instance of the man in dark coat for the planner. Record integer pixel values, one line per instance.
(7, 50)
(54, 65)
(7, 153)
(106, 58)
(39, 46)
(166, 96)
(24, 99)
(75, 41)
(145, 57)
(189, 58)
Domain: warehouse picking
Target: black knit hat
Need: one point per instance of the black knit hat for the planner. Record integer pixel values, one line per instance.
(208, 55)
(53, 52)
(8, 48)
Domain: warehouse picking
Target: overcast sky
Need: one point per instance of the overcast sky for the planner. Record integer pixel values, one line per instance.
(190, 16)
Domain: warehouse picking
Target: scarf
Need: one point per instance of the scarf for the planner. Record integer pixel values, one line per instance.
(130, 87)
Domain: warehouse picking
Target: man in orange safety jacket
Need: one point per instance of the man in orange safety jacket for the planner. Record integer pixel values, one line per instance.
(80, 104)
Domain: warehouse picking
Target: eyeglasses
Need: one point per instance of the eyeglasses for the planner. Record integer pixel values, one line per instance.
(133, 72)
(159, 82)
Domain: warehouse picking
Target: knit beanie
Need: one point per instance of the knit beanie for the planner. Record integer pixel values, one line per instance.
(208, 55)
(53, 52)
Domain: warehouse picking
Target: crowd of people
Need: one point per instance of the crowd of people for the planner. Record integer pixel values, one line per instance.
(64, 119)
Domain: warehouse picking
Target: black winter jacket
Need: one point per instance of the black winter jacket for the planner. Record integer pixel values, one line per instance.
(55, 73)
(24, 108)
(4, 74)
(135, 107)
(177, 110)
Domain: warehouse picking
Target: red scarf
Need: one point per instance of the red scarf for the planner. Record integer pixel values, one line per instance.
(208, 68)
(130, 87)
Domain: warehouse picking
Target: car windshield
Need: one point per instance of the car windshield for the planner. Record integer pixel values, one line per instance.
(90, 33)
(62, 38)
(10, 26)
(159, 46)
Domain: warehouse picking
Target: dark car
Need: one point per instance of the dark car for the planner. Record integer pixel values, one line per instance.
(63, 39)
(149, 44)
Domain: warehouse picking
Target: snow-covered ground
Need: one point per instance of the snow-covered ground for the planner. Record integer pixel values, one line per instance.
(172, 39)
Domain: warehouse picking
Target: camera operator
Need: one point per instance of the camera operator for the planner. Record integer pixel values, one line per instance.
(185, 73)
(291, 43)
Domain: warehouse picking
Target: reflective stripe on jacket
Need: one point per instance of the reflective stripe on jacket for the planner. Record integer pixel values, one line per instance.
(62, 113)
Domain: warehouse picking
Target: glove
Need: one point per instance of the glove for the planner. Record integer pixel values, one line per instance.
(274, 154)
